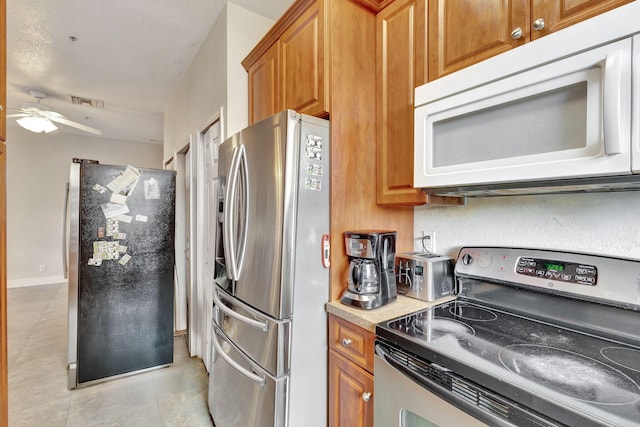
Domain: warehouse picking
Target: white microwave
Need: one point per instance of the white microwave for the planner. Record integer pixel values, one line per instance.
(560, 114)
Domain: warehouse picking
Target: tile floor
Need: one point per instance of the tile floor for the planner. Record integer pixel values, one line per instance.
(38, 395)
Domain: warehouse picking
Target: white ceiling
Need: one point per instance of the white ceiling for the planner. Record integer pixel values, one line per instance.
(128, 53)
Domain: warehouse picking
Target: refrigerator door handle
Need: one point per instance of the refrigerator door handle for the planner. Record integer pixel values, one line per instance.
(238, 169)
(253, 377)
(226, 310)
(65, 230)
(244, 170)
(228, 218)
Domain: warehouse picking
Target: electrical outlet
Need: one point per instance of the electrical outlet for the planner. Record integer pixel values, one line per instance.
(43, 267)
(428, 241)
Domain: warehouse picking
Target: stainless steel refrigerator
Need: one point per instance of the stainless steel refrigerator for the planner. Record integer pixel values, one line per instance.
(120, 224)
(269, 358)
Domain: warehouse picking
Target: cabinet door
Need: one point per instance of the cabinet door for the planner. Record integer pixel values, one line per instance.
(303, 73)
(4, 405)
(401, 66)
(463, 32)
(554, 15)
(264, 88)
(3, 71)
(3, 284)
(350, 393)
(400, 60)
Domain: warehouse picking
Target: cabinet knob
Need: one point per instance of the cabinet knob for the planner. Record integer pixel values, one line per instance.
(1, 107)
(538, 24)
(516, 33)
(366, 396)
(346, 342)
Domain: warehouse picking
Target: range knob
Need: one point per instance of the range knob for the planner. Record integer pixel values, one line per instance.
(467, 259)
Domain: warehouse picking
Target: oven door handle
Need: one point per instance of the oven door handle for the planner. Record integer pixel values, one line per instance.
(387, 357)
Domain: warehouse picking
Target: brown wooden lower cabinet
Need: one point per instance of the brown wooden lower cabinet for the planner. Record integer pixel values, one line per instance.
(350, 374)
(350, 393)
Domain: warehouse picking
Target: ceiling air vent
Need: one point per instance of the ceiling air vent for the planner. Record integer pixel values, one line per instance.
(96, 103)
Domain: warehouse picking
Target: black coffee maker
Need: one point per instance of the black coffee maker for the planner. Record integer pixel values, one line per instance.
(372, 281)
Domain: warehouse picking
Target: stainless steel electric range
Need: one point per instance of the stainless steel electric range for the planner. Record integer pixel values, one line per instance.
(535, 338)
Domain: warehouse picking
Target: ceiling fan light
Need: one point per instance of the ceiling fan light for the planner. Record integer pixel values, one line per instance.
(37, 124)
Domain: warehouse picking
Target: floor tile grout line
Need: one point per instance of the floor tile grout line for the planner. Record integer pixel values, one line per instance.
(52, 310)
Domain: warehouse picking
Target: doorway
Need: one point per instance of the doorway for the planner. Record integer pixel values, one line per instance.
(209, 137)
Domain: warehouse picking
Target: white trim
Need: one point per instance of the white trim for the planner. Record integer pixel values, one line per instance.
(35, 281)
(218, 116)
(180, 299)
(202, 301)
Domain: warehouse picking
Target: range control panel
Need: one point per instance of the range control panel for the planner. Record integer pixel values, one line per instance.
(600, 278)
(557, 270)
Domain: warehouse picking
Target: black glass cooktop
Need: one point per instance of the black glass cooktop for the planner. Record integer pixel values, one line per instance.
(551, 369)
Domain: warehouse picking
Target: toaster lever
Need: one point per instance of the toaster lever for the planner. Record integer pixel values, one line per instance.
(404, 271)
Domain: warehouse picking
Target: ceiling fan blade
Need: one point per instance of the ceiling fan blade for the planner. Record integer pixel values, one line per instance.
(59, 118)
(10, 116)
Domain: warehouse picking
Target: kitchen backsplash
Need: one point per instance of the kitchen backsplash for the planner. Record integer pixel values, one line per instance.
(603, 223)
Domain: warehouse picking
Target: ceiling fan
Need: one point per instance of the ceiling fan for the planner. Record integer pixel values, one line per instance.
(38, 117)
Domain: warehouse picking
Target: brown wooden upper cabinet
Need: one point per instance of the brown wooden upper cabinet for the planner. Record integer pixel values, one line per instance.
(463, 32)
(460, 33)
(264, 90)
(401, 57)
(291, 72)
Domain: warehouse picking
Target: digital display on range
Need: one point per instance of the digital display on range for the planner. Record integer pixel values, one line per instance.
(419, 270)
(554, 267)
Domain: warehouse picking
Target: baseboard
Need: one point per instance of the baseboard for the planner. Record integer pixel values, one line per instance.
(35, 281)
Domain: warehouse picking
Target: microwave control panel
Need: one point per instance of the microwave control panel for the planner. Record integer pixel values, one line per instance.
(557, 270)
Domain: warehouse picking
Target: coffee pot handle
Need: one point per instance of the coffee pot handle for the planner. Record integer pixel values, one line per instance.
(355, 275)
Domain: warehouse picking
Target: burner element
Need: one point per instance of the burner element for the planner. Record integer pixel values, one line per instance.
(438, 327)
(570, 374)
(626, 357)
(471, 312)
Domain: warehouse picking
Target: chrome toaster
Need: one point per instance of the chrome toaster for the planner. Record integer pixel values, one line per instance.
(424, 276)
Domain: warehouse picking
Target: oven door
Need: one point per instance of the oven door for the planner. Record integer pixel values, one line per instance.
(411, 392)
(402, 402)
(569, 118)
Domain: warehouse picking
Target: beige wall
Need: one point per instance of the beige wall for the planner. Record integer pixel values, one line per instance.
(37, 171)
(215, 79)
(604, 223)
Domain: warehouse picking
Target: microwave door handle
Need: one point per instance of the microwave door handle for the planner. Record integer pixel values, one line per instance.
(228, 218)
(244, 171)
(614, 73)
(253, 377)
(229, 312)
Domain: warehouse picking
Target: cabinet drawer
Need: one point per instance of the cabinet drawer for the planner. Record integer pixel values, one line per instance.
(353, 342)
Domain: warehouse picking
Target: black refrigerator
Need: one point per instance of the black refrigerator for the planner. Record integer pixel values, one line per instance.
(119, 249)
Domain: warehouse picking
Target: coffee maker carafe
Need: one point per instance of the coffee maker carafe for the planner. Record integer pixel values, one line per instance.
(371, 282)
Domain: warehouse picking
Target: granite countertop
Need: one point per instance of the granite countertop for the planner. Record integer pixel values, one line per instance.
(367, 319)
